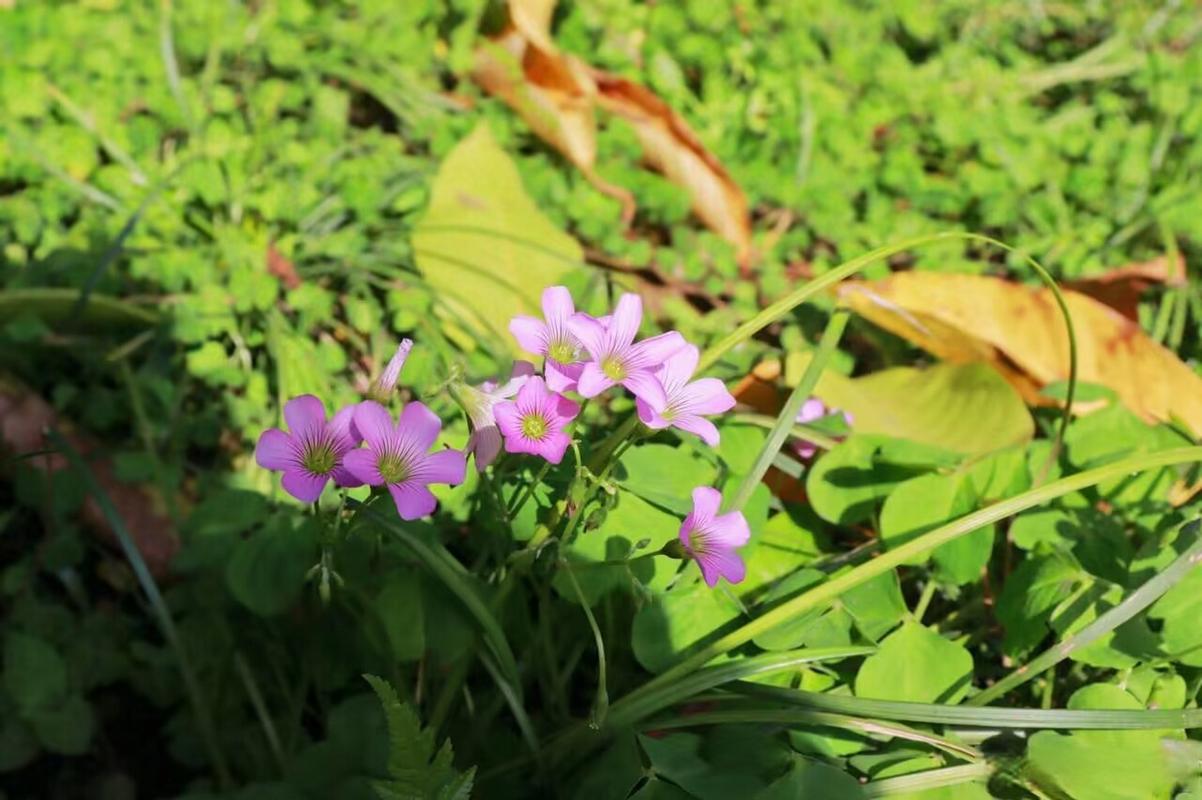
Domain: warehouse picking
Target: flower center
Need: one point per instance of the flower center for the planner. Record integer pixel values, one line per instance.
(534, 426)
(562, 351)
(393, 468)
(613, 368)
(698, 541)
(319, 459)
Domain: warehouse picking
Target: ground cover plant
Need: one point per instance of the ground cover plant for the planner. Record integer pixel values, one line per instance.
(600, 400)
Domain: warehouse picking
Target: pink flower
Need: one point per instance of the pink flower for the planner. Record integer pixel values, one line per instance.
(383, 385)
(534, 423)
(711, 538)
(617, 359)
(314, 451)
(687, 402)
(811, 411)
(552, 339)
(397, 456)
(479, 404)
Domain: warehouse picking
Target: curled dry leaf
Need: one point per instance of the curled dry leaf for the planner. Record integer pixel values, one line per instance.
(24, 418)
(1122, 287)
(1019, 331)
(671, 147)
(557, 95)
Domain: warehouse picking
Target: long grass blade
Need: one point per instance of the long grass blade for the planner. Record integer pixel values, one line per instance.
(978, 717)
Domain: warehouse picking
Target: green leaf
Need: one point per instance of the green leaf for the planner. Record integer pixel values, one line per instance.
(416, 771)
(788, 540)
(612, 774)
(1102, 765)
(676, 620)
(631, 521)
(876, 606)
(664, 475)
(844, 485)
(1030, 594)
(483, 245)
(812, 779)
(916, 664)
(66, 728)
(1181, 612)
(18, 745)
(267, 570)
(727, 761)
(399, 607)
(35, 675)
(924, 503)
(964, 408)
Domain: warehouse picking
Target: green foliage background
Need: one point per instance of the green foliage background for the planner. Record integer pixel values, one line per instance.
(159, 157)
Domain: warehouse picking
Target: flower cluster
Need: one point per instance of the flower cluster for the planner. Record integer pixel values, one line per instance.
(531, 413)
(397, 454)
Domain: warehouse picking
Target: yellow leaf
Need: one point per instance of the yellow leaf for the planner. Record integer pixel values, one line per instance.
(1019, 331)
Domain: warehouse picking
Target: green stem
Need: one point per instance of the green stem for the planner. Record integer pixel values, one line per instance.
(788, 415)
(803, 432)
(1134, 603)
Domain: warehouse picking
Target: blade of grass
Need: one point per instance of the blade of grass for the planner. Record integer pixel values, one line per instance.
(162, 614)
(601, 700)
(977, 717)
(805, 717)
(788, 415)
(1131, 605)
(930, 779)
(705, 679)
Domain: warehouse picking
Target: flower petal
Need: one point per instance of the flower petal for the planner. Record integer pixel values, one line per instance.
(557, 303)
(374, 424)
(508, 419)
(344, 478)
(627, 317)
(418, 425)
(811, 410)
(304, 485)
(652, 353)
(645, 386)
(485, 446)
(706, 396)
(593, 381)
(444, 466)
(531, 334)
(562, 377)
(553, 446)
(706, 501)
(590, 333)
(730, 530)
(343, 425)
(364, 465)
(724, 564)
(413, 500)
(565, 409)
(276, 450)
(679, 367)
(700, 426)
(649, 416)
(304, 413)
